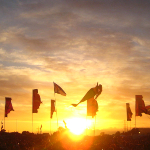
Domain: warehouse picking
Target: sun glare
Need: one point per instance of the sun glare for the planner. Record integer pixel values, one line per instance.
(78, 125)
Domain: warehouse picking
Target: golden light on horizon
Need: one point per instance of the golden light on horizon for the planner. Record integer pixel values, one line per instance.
(78, 125)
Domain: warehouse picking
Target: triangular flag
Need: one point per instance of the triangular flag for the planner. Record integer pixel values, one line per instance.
(58, 89)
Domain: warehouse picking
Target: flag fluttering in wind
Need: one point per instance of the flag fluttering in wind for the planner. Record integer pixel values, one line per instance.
(8, 106)
(52, 107)
(92, 107)
(140, 105)
(93, 92)
(58, 89)
(148, 109)
(129, 113)
(36, 101)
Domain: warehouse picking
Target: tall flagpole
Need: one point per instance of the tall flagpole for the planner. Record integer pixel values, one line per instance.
(32, 111)
(57, 119)
(86, 124)
(94, 125)
(50, 118)
(56, 111)
(58, 90)
(16, 125)
(4, 114)
(124, 126)
(135, 112)
(50, 126)
(32, 122)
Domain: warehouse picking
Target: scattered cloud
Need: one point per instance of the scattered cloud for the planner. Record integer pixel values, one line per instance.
(76, 44)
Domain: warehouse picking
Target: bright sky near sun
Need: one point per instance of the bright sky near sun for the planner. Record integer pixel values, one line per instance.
(74, 44)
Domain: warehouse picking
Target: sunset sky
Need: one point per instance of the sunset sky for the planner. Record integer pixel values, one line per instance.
(74, 43)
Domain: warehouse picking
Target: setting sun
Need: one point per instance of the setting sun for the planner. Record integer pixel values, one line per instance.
(78, 125)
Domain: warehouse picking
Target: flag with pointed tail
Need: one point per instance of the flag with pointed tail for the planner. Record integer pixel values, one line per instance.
(93, 92)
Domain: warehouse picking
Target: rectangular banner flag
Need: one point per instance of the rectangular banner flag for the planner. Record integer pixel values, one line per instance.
(140, 105)
(129, 113)
(92, 107)
(36, 101)
(52, 107)
(58, 89)
(8, 106)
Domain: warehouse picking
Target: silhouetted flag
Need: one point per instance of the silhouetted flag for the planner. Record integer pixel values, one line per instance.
(58, 89)
(148, 109)
(36, 101)
(96, 91)
(8, 106)
(92, 107)
(140, 105)
(52, 107)
(129, 113)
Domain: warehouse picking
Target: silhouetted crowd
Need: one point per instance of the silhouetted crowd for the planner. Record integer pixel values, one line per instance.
(61, 140)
